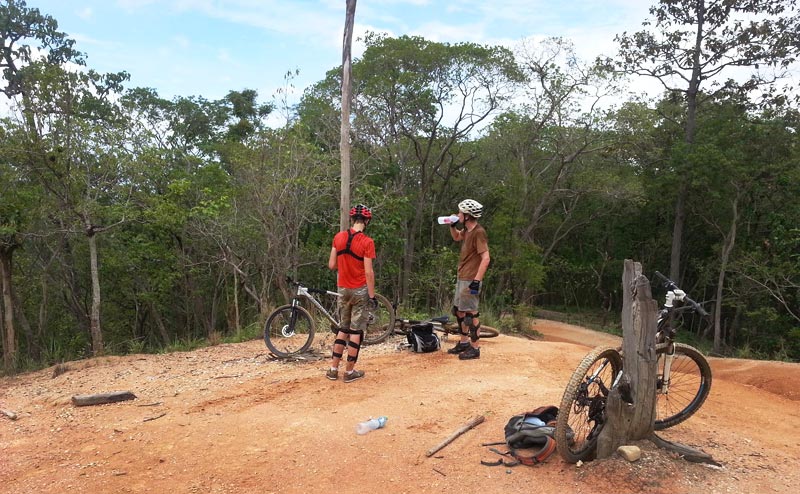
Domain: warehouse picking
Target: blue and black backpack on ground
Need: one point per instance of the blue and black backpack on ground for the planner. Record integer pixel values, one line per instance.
(534, 430)
(422, 339)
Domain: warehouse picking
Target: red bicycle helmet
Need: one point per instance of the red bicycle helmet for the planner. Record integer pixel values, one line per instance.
(360, 211)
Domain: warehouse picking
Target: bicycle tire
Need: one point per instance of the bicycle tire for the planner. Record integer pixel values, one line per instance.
(381, 324)
(488, 332)
(451, 328)
(289, 331)
(582, 404)
(690, 383)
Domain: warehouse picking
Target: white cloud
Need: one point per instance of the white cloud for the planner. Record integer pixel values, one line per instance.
(86, 13)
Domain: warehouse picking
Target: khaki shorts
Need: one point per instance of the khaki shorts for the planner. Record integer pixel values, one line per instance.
(353, 313)
(463, 300)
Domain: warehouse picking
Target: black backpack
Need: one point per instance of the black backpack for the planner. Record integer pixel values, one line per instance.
(422, 339)
(532, 430)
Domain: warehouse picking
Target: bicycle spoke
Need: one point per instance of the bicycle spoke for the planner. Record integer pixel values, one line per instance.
(690, 381)
(289, 331)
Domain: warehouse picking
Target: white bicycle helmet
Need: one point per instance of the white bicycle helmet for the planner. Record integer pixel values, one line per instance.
(471, 207)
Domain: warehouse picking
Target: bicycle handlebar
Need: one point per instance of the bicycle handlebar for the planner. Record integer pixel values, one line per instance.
(671, 285)
(319, 291)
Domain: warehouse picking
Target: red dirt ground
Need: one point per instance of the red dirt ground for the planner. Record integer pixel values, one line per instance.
(227, 419)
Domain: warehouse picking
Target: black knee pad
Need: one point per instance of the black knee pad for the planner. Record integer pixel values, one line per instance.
(455, 311)
(473, 328)
(357, 346)
(461, 330)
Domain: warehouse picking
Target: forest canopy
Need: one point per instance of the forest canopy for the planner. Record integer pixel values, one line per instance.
(130, 222)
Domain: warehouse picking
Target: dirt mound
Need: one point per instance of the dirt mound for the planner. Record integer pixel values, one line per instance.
(228, 419)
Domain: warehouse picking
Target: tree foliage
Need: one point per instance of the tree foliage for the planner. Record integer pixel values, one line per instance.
(130, 222)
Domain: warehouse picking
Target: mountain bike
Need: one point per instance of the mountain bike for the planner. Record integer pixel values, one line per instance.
(683, 380)
(290, 329)
(443, 325)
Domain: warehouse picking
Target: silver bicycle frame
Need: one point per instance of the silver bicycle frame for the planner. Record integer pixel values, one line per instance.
(303, 292)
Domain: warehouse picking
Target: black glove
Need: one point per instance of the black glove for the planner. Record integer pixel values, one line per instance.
(474, 286)
(372, 304)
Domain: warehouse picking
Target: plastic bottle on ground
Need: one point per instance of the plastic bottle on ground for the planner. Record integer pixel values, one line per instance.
(370, 425)
(448, 220)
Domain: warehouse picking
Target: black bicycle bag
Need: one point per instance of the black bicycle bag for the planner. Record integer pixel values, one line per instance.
(422, 338)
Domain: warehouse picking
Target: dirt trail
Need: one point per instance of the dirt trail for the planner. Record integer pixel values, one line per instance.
(227, 419)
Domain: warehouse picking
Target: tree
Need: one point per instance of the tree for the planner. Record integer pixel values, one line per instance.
(547, 164)
(417, 103)
(29, 41)
(692, 43)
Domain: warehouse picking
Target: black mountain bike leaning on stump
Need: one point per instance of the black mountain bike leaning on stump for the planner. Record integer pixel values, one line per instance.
(682, 383)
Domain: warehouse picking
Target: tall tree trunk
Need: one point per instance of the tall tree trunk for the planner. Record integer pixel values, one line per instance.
(9, 335)
(691, 125)
(727, 247)
(94, 318)
(344, 142)
(162, 328)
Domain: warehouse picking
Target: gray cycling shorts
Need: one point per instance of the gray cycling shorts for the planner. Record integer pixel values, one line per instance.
(353, 313)
(463, 300)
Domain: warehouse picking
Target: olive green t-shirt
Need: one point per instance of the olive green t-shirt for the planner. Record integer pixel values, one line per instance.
(473, 245)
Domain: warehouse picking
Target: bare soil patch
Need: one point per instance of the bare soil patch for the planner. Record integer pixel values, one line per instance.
(228, 419)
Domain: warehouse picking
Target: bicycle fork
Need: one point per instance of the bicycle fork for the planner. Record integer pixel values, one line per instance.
(662, 382)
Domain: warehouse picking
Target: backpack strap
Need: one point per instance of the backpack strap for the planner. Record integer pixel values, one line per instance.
(346, 250)
(548, 449)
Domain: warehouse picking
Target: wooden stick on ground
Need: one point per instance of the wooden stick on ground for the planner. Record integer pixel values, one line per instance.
(469, 425)
(98, 399)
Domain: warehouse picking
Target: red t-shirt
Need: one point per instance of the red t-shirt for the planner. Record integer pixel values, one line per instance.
(351, 270)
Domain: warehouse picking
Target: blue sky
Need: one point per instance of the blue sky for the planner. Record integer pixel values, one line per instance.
(209, 47)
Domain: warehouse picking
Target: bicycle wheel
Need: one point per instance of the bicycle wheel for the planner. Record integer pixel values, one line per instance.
(452, 328)
(581, 415)
(487, 332)
(689, 384)
(289, 330)
(381, 322)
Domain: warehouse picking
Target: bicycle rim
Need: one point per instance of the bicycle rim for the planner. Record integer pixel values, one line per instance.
(581, 415)
(381, 322)
(289, 331)
(690, 382)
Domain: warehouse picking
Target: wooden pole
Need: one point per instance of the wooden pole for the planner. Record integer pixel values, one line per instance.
(469, 425)
(344, 137)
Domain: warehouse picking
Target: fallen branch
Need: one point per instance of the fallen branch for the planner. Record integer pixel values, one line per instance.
(9, 414)
(148, 419)
(469, 425)
(99, 399)
(688, 454)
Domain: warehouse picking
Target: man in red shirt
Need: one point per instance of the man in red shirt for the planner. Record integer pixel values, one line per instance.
(352, 253)
(472, 264)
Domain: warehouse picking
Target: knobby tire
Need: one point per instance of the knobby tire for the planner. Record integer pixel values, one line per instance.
(289, 331)
(581, 415)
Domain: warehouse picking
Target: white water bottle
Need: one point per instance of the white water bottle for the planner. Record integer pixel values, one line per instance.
(448, 220)
(370, 425)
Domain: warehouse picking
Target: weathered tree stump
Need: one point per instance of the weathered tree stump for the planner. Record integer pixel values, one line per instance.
(631, 404)
(630, 408)
(101, 398)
